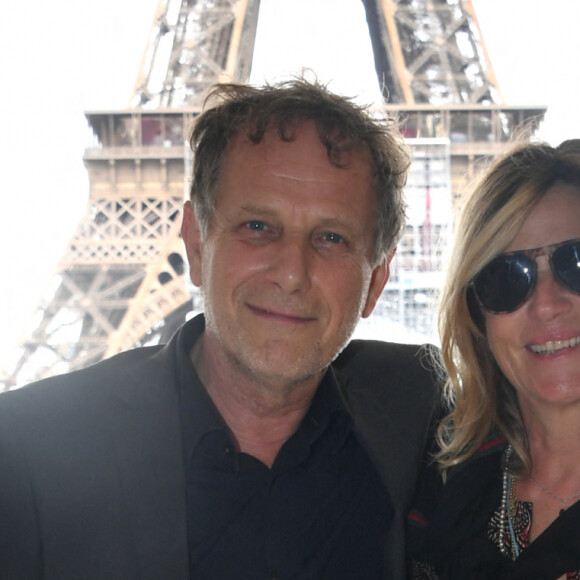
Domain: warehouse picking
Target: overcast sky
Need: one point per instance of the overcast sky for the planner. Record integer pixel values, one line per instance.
(60, 58)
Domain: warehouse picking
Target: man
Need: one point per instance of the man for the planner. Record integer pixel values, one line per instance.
(238, 451)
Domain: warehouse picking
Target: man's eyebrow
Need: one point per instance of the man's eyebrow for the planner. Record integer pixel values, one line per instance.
(251, 208)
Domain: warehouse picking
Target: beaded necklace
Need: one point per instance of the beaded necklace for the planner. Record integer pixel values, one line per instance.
(508, 502)
(507, 498)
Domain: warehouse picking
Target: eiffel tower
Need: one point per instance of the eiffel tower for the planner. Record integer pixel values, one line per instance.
(122, 279)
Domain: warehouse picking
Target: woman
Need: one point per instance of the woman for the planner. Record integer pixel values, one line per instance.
(509, 450)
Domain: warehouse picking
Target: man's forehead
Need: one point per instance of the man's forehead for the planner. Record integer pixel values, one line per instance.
(340, 154)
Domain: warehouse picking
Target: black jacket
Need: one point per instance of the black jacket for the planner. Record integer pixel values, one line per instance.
(91, 472)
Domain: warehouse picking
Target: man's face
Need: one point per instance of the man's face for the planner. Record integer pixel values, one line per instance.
(286, 267)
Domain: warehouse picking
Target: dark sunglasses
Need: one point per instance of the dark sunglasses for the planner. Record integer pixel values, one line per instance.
(509, 280)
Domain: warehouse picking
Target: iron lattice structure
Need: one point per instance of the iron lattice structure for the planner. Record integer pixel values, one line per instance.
(122, 279)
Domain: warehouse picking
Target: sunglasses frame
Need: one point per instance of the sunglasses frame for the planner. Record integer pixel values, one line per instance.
(531, 254)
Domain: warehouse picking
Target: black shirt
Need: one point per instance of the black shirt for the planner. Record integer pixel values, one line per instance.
(321, 510)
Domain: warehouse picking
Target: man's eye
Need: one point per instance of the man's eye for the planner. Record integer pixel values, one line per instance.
(333, 238)
(257, 226)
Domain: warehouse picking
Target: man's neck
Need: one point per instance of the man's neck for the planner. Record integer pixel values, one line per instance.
(260, 414)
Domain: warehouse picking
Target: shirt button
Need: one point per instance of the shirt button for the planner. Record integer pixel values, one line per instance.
(227, 450)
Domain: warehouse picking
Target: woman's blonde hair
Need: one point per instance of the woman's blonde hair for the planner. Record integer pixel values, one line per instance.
(479, 395)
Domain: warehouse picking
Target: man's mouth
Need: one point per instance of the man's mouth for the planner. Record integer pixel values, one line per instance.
(280, 314)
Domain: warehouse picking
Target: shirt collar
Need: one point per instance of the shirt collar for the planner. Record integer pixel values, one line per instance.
(327, 418)
(198, 413)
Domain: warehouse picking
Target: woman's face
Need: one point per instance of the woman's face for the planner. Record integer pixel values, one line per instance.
(538, 345)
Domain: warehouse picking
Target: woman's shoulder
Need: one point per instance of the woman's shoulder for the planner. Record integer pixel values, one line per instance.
(450, 518)
(483, 467)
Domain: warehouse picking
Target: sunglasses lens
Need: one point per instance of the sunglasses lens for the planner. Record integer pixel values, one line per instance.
(566, 265)
(505, 283)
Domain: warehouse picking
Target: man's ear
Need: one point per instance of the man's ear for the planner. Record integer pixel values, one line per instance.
(379, 278)
(191, 236)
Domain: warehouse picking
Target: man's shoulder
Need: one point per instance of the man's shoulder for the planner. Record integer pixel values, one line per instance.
(376, 357)
(387, 373)
(122, 372)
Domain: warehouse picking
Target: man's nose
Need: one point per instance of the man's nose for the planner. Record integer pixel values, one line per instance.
(291, 263)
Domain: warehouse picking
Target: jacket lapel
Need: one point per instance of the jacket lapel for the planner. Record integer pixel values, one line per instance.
(390, 395)
(151, 473)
